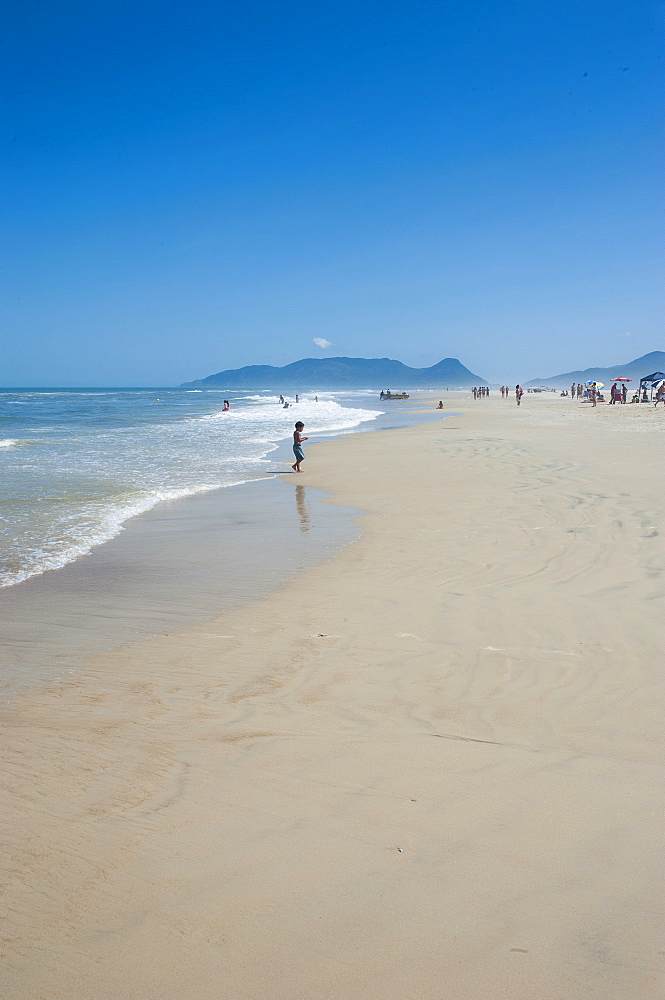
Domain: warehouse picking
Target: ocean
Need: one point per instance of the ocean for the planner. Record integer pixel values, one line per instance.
(77, 464)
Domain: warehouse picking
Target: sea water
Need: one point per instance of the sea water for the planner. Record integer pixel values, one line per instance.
(77, 464)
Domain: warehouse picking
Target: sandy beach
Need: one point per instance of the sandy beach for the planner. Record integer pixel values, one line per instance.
(428, 768)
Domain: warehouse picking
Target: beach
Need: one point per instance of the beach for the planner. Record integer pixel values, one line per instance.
(429, 767)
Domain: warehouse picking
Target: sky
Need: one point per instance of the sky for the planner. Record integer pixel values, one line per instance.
(191, 187)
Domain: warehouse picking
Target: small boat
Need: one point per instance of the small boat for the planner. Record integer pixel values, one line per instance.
(394, 395)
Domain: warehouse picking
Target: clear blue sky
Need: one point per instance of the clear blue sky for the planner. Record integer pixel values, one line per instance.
(196, 186)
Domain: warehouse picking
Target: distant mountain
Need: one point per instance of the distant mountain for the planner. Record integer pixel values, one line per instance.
(343, 373)
(635, 370)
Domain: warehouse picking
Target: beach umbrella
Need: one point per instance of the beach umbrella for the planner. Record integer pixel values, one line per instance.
(622, 378)
(595, 385)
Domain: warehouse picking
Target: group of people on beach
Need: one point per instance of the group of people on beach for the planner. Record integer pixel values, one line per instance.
(592, 393)
(618, 393)
(481, 392)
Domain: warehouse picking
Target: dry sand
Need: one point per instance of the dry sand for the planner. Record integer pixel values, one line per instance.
(429, 768)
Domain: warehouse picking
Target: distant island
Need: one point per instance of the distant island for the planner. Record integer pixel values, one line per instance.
(343, 373)
(635, 370)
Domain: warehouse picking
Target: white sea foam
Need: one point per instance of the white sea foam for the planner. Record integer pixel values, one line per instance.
(8, 442)
(262, 397)
(56, 554)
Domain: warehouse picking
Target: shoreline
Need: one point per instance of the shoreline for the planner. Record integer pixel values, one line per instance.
(242, 461)
(203, 543)
(179, 562)
(428, 763)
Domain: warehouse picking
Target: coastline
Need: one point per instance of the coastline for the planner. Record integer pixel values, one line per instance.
(178, 562)
(98, 459)
(427, 765)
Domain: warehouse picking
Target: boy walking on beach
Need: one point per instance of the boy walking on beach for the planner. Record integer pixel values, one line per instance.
(297, 446)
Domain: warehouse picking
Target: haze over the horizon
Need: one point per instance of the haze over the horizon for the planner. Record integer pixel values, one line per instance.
(190, 188)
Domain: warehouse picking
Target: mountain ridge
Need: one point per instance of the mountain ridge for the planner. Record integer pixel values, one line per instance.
(334, 373)
(635, 370)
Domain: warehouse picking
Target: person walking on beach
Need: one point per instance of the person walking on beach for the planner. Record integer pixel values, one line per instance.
(297, 446)
(519, 392)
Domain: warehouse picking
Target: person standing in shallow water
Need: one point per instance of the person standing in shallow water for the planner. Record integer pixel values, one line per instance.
(297, 446)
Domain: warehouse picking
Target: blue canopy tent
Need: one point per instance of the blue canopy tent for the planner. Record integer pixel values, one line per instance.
(651, 381)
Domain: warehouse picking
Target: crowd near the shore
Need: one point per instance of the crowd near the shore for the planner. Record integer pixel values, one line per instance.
(618, 393)
(483, 391)
(591, 393)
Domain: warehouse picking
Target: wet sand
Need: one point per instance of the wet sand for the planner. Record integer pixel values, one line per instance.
(430, 767)
(178, 564)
